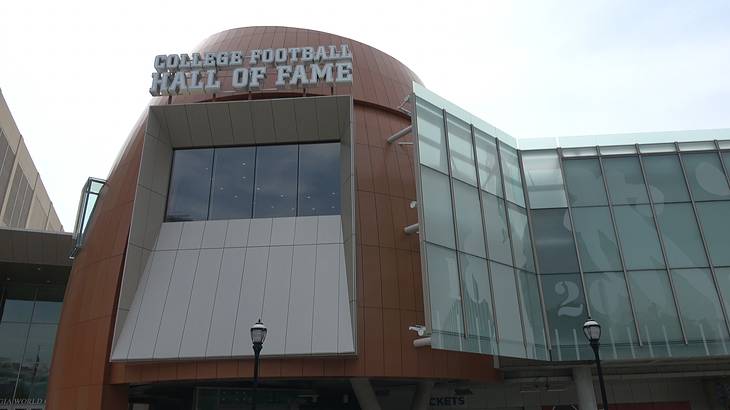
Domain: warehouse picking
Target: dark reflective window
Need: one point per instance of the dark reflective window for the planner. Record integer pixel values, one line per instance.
(489, 175)
(584, 182)
(699, 305)
(609, 302)
(190, 185)
(566, 310)
(596, 239)
(655, 308)
(681, 237)
(554, 241)
(233, 179)
(470, 237)
(276, 181)
(705, 176)
(33, 378)
(638, 237)
(521, 243)
(715, 220)
(17, 305)
(319, 179)
(625, 181)
(495, 217)
(664, 175)
(478, 300)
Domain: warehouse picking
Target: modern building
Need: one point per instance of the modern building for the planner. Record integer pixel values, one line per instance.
(402, 252)
(34, 268)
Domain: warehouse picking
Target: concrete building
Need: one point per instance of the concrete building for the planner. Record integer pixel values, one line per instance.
(402, 252)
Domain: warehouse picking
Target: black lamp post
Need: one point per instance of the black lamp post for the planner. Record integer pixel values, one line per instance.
(258, 335)
(592, 330)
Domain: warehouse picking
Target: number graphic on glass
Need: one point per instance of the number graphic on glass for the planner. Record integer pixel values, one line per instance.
(572, 292)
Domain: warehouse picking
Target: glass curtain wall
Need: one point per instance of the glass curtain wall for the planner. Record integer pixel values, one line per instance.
(29, 317)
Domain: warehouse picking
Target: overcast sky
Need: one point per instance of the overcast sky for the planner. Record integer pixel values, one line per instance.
(76, 73)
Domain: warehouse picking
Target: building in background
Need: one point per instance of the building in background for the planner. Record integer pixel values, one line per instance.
(34, 269)
(402, 252)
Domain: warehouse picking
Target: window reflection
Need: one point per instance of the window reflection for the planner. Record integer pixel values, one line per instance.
(319, 186)
(275, 194)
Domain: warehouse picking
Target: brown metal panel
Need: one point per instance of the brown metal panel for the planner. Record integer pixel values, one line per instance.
(372, 292)
(389, 278)
(373, 347)
(392, 343)
(385, 221)
(367, 215)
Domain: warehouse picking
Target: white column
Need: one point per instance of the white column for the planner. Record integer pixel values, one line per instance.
(422, 396)
(584, 387)
(365, 394)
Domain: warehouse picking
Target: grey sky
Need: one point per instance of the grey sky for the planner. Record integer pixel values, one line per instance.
(76, 73)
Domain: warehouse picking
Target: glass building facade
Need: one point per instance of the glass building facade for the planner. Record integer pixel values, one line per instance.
(29, 317)
(528, 243)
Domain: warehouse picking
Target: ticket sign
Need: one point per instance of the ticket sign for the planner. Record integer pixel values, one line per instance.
(295, 67)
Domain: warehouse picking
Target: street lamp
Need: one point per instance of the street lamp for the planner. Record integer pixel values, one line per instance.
(592, 330)
(258, 335)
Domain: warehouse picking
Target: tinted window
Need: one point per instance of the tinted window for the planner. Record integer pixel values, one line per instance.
(233, 179)
(319, 179)
(625, 181)
(566, 311)
(437, 212)
(477, 299)
(654, 306)
(596, 239)
(699, 304)
(431, 141)
(495, 217)
(609, 302)
(705, 176)
(445, 295)
(681, 237)
(638, 237)
(490, 177)
(468, 219)
(521, 243)
(461, 151)
(554, 241)
(190, 185)
(584, 182)
(715, 219)
(275, 194)
(511, 174)
(544, 179)
(664, 175)
(507, 307)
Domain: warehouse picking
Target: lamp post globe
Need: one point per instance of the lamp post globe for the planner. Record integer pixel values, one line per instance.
(258, 335)
(592, 331)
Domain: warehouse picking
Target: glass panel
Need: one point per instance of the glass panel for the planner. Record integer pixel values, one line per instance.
(705, 176)
(554, 241)
(490, 177)
(638, 237)
(13, 336)
(437, 208)
(444, 292)
(596, 239)
(544, 179)
(49, 302)
(95, 186)
(723, 144)
(681, 237)
(584, 182)
(319, 179)
(664, 175)
(655, 308)
(495, 217)
(648, 148)
(609, 302)
(617, 150)
(276, 181)
(580, 152)
(723, 282)
(700, 307)
(726, 160)
(511, 175)
(566, 311)
(507, 306)
(233, 181)
(478, 302)
(715, 220)
(697, 146)
(190, 185)
(33, 380)
(532, 315)
(625, 181)
(461, 151)
(431, 142)
(468, 219)
(521, 242)
(17, 305)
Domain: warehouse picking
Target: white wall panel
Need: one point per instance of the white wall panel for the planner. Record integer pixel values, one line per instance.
(153, 302)
(345, 337)
(276, 291)
(305, 230)
(237, 233)
(176, 304)
(329, 229)
(121, 350)
(324, 328)
(197, 324)
(260, 232)
(301, 301)
(282, 231)
(192, 235)
(220, 341)
(169, 238)
(199, 124)
(252, 295)
(214, 235)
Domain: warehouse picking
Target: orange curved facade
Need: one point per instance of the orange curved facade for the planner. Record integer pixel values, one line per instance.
(389, 288)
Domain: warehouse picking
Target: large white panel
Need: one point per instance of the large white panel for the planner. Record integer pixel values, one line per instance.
(139, 216)
(251, 301)
(345, 336)
(155, 215)
(329, 229)
(169, 237)
(237, 233)
(306, 114)
(199, 125)
(220, 124)
(241, 123)
(192, 235)
(121, 342)
(285, 122)
(263, 121)
(276, 292)
(282, 231)
(197, 324)
(324, 325)
(327, 119)
(132, 271)
(176, 305)
(177, 123)
(125, 337)
(153, 302)
(305, 230)
(220, 341)
(161, 168)
(260, 232)
(214, 235)
(301, 301)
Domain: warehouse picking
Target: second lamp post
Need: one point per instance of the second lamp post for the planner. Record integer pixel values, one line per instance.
(258, 335)
(592, 330)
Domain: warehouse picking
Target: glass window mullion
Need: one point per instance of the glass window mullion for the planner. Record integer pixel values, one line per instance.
(486, 241)
(575, 241)
(704, 241)
(444, 116)
(620, 250)
(25, 344)
(545, 322)
(663, 247)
